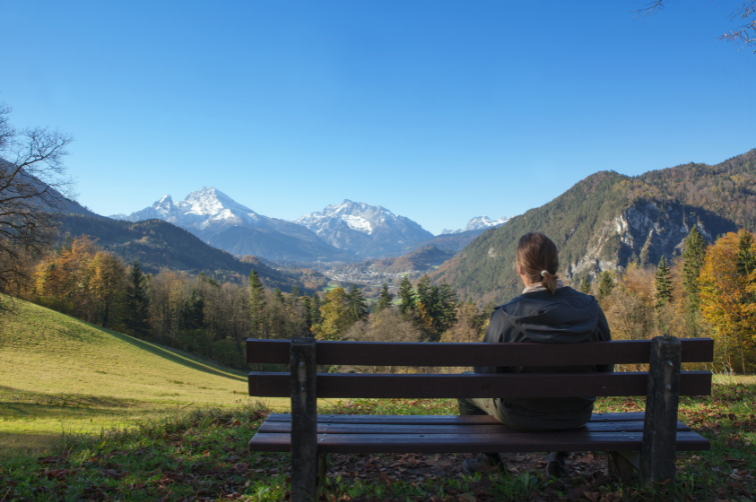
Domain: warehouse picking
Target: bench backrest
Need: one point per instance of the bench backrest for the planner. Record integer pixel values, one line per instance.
(505, 385)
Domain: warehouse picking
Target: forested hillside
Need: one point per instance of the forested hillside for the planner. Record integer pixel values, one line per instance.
(161, 245)
(608, 220)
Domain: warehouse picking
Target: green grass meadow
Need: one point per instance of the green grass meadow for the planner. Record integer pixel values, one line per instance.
(62, 375)
(90, 414)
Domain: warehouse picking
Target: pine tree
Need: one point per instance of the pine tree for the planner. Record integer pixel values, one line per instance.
(447, 307)
(693, 260)
(315, 309)
(385, 299)
(137, 305)
(308, 311)
(356, 305)
(407, 297)
(606, 285)
(746, 261)
(256, 306)
(585, 286)
(663, 284)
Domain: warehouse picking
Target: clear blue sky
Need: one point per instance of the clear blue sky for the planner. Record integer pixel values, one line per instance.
(437, 110)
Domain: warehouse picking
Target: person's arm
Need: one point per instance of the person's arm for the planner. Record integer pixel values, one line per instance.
(496, 333)
(604, 335)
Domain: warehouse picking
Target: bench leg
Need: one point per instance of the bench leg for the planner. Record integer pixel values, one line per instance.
(623, 465)
(304, 421)
(322, 469)
(660, 425)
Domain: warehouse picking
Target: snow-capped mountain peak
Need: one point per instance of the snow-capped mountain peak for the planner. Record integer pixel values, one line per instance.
(198, 210)
(363, 228)
(478, 223)
(358, 216)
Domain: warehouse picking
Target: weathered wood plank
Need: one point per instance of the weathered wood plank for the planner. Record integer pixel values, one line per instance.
(337, 428)
(477, 354)
(505, 385)
(475, 443)
(439, 419)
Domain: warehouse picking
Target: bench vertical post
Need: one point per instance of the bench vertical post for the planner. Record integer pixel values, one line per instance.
(660, 427)
(304, 440)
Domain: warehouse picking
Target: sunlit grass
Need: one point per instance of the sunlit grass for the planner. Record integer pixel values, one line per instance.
(59, 374)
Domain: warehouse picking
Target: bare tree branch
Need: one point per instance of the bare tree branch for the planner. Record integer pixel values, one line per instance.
(744, 34)
(34, 188)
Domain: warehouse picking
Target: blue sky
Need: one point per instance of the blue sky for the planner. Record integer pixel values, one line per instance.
(437, 110)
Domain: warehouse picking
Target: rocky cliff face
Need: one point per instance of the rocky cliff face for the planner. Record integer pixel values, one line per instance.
(644, 232)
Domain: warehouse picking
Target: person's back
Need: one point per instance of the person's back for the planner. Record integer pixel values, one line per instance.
(546, 312)
(565, 316)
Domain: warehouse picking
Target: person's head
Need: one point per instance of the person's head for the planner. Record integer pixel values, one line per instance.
(538, 260)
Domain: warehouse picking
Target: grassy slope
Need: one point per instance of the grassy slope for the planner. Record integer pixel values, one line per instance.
(58, 373)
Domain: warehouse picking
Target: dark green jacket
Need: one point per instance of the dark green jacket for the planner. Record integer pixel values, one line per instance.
(567, 316)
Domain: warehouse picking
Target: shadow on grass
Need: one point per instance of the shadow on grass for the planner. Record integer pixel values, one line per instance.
(172, 355)
(12, 444)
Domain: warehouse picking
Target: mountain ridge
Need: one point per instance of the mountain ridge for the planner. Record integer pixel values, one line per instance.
(608, 219)
(226, 224)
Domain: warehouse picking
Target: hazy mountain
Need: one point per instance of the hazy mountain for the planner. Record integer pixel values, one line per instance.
(477, 223)
(222, 222)
(159, 245)
(608, 220)
(365, 230)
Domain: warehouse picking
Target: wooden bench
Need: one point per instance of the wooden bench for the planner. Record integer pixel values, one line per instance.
(657, 433)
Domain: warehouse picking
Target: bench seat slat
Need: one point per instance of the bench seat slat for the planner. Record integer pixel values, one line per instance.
(329, 428)
(476, 354)
(439, 419)
(475, 443)
(505, 385)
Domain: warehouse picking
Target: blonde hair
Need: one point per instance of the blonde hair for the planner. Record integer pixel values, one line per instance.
(538, 257)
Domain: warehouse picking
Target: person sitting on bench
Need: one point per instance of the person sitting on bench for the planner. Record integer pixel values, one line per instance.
(545, 312)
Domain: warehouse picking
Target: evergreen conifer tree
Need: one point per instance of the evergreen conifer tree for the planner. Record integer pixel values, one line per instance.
(746, 259)
(356, 304)
(606, 285)
(256, 306)
(137, 305)
(407, 297)
(585, 285)
(693, 260)
(308, 311)
(315, 309)
(447, 307)
(385, 299)
(663, 284)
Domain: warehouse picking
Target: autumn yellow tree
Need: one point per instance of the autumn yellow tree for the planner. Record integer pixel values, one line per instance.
(728, 296)
(335, 316)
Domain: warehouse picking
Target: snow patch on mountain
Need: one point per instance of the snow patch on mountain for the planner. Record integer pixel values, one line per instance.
(200, 210)
(477, 223)
(358, 216)
(364, 229)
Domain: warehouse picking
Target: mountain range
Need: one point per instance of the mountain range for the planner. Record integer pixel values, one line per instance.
(349, 231)
(222, 222)
(608, 220)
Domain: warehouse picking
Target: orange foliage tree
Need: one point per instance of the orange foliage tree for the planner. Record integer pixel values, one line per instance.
(728, 297)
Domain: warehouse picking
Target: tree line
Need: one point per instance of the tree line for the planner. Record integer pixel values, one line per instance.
(204, 316)
(709, 291)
